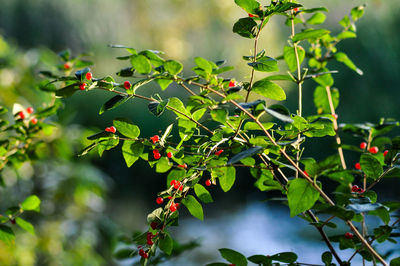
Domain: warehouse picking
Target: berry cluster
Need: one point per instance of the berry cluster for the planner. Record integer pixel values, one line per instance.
(357, 189)
(83, 85)
(111, 129)
(28, 111)
(348, 235)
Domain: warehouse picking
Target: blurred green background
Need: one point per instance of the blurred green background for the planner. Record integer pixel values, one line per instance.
(90, 201)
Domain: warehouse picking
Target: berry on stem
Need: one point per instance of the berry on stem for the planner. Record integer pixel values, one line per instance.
(335, 116)
(208, 182)
(348, 235)
(355, 188)
(111, 129)
(153, 225)
(173, 207)
(67, 65)
(127, 85)
(251, 15)
(159, 200)
(219, 152)
(169, 155)
(296, 9)
(357, 166)
(363, 145)
(82, 86)
(373, 150)
(385, 153)
(29, 110)
(155, 139)
(305, 172)
(143, 254)
(232, 83)
(89, 76)
(184, 166)
(177, 184)
(21, 115)
(172, 183)
(181, 188)
(34, 121)
(157, 156)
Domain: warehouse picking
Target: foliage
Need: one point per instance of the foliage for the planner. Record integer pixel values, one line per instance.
(214, 134)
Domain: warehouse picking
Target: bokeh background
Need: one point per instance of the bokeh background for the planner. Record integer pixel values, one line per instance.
(88, 202)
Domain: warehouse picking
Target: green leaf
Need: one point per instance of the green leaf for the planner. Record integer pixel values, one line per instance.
(166, 244)
(219, 115)
(321, 100)
(260, 260)
(131, 150)
(113, 103)
(317, 18)
(87, 149)
(7, 235)
(31, 203)
(395, 262)
(233, 256)
(371, 166)
(27, 226)
(81, 74)
(278, 115)
(343, 58)
(265, 64)
(203, 64)
(107, 145)
(156, 107)
(126, 128)
(193, 206)
(250, 6)
(245, 27)
(357, 12)
(301, 196)
(310, 34)
(289, 54)
(287, 257)
(269, 90)
(227, 179)
(255, 126)
(179, 107)
(164, 83)
(244, 154)
(173, 67)
(141, 64)
(163, 165)
(202, 193)
(327, 258)
(68, 90)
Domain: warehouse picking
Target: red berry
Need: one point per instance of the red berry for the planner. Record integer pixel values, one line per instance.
(21, 115)
(153, 225)
(177, 184)
(159, 200)
(385, 153)
(208, 182)
(172, 182)
(232, 83)
(157, 156)
(357, 166)
(251, 15)
(348, 235)
(12, 221)
(29, 110)
(89, 76)
(219, 152)
(355, 188)
(184, 166)
(360, 190)
(82, 86)
(169, 197)
(127, 85)
(305, 172)
(363, 145)
(67, 65)
(149, 238)
(173, 207)
(177, 205)
(155, 139)
(335, 116)
(111, 129)
(169, 154)
(156, 151)
(296, 9)
(34, 121)
(373, 150)
(181, 188)
(143, 254)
